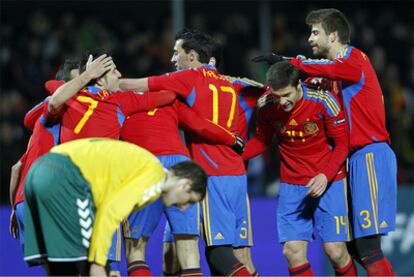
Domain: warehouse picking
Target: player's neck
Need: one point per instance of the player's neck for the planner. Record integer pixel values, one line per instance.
(335, 49)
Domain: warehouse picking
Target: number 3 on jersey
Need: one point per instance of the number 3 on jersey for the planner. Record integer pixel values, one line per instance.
(92, 106)
(227, 89)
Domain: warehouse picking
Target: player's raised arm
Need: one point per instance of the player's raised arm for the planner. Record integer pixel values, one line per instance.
(94, 69)
(134, 102)
(139, 84)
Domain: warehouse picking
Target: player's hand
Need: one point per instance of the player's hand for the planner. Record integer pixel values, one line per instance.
(320, 84)
(97, 270)
(96, 68)
(238, 146)
(14, 228)
(317, 185)
(264, 100)
(271, 58)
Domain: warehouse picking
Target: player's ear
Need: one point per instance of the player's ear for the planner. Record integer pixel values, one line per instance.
(299, 84)
(333, 36)
(193, 56)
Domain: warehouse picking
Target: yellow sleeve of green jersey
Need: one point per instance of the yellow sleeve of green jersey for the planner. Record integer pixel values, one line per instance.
(133, 194)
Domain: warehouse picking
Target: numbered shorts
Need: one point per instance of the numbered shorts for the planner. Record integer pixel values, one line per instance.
(226, 212)
(20, 221)
(298, 214)
(59, 211)
(373, 185)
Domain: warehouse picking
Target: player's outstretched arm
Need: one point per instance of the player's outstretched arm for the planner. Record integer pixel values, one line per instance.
(140, 84)
(14, 181)
(94, 69)
(270, 58)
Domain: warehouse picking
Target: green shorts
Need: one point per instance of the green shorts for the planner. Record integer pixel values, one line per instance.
(59, 211)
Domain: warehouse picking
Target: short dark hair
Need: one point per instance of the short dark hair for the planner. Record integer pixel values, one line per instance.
(332, 20)
(194, 172)
(282, 74)
(198, 41)
(84, 59)
(65, 69)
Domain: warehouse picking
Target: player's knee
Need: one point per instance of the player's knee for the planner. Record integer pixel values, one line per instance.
(367, 246)
(242, 254)
(336, 252)
(221, 259)
(135, 248)
(294, 253)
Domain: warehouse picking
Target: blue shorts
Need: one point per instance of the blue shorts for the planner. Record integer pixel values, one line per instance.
(373, 185)
(179, 222)
(20, 221)
(114, 253)
(298, 214)
(226, 212)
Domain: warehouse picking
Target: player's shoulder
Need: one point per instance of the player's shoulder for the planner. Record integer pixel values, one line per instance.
(322, 97)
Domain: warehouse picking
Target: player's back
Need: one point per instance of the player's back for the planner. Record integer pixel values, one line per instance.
(92, 113)
(213, 97)
(366, 122)
(155, 130)
(216, 100)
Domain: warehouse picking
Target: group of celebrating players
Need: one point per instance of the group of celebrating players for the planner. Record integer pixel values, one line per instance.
(74, 204)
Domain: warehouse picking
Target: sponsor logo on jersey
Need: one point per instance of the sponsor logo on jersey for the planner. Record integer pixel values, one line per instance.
(310, 128)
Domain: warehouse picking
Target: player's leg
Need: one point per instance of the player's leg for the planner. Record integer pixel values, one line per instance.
(373, 185)
(219, 223)
(185, 230)
(295, 227)
(170, 264)
(331, 221)
(243, 236)
(137, 229)
(57, 188)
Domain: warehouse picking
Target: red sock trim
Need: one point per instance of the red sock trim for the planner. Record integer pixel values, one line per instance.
(191, 272)
(302, 270)
(348, 270)
(139, 268)
(240, 271)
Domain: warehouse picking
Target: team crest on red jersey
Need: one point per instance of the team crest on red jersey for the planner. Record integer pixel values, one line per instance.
(310, 128)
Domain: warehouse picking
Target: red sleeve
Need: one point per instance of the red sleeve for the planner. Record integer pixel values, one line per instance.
(259, 143)
(339, 69)
(192, 122)
(181, 82)
(52, 85)
(33, 115)
(23, 159)
(337, 130)
(134, 102)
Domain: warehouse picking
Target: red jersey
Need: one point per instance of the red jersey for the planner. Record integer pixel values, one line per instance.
(213, 98)
(93, 112)
(304, 137)
(157, 130)
(248, 93)
(359, 86)
(45, 136)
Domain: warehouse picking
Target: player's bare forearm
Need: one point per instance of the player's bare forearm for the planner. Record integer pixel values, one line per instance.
(140, 84)
(14, 180)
